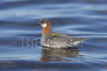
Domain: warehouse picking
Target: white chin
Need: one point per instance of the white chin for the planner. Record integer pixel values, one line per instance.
(44, 25)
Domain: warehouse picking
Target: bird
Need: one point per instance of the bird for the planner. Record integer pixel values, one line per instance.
(53, 39)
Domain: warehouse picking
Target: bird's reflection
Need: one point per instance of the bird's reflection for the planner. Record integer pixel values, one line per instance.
(49, 54)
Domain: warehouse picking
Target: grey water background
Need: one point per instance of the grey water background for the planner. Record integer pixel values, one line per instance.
(77, 18)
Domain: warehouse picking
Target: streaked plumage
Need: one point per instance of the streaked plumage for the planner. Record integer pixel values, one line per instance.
(56, 40)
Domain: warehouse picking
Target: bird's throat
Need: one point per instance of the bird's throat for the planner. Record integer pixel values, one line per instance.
(46, 29)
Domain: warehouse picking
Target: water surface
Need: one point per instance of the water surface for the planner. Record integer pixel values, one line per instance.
(20, 48)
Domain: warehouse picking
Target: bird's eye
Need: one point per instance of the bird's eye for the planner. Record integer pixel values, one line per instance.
(42, 21)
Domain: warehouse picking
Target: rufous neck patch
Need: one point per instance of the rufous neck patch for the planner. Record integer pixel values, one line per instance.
(46, 29)
(43, 59)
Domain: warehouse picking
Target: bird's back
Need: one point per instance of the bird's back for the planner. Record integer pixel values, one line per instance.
(57, 40)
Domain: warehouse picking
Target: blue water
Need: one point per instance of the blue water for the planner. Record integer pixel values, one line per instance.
(20, 48)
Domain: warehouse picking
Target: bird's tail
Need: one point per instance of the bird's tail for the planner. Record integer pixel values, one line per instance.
(81, 39)
(78, 41)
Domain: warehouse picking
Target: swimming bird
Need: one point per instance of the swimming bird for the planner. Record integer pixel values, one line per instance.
(56, 40)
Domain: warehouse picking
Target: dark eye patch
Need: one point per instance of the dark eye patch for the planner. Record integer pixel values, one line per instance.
(42, 21)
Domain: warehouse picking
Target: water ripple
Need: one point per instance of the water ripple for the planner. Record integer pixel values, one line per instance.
(77, 18)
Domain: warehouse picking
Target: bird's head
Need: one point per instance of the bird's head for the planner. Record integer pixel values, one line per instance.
(43, 22)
